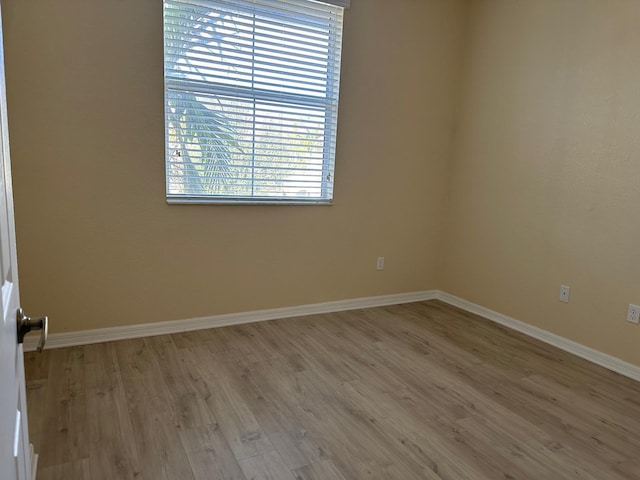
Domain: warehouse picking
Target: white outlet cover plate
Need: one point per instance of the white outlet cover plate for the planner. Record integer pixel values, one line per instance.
(633, 314)
(564, 293)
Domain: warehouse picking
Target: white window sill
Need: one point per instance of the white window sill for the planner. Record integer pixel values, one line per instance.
(175, 200)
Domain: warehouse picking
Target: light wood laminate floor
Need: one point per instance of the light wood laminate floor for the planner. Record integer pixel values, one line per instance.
(416, 391)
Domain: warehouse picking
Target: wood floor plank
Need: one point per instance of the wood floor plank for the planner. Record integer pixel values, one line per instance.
(595, 429)
(113, 453)
(267, 466)
(209, 454)
(190, 408)
(156, 435)
(233, 414)
(76, 470)
(275, 415)
(243, 432)
(36, 365)
(37, 395)
(324, 470)
(355, 441)
(420, 391)
(275, 381)
(423, 436)
(64, 435)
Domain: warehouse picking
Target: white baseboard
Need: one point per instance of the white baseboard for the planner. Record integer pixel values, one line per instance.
(98, 335)
(86, 337)
(34, 462)
(594, 356)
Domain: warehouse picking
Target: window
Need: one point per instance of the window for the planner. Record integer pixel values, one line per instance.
(251, 99)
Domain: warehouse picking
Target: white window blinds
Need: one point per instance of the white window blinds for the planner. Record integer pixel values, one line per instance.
(251, 100)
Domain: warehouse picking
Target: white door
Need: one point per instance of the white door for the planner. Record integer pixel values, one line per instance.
(15, 458)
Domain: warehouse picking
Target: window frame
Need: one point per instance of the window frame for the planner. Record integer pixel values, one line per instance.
(256, 95)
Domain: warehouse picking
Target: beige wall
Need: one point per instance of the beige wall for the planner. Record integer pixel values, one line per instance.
(542, 176)
(98, 246)
(545, 185)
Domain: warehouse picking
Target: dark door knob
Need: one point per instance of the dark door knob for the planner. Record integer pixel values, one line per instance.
(27, 324)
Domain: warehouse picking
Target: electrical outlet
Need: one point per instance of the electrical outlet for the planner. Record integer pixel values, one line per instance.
(633, 314)
(564, 293)
(380, 263)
